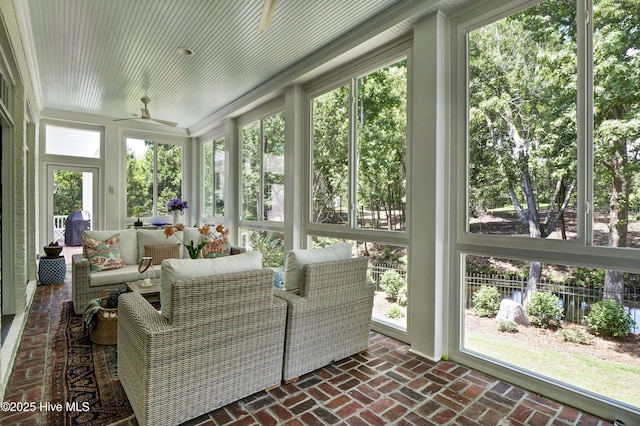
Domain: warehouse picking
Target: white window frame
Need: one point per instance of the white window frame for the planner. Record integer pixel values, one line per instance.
(578, 252)
(156, 141)
(348, 76)
(267, 110)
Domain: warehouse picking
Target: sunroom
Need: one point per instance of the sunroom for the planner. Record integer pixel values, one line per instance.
(425, 133)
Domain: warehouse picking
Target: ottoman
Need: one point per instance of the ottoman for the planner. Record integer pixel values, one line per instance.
(52, 270)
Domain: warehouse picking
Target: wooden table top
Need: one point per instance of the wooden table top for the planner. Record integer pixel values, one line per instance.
(136, 286)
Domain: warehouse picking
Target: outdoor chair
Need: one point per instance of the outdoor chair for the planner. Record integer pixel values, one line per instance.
(223, 341)
(330, 318)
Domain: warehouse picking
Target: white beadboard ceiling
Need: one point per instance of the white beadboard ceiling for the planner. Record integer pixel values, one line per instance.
(100, 57)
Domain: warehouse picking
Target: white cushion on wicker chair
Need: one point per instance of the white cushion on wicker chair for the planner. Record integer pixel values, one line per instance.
(296, 259)
(182, 269)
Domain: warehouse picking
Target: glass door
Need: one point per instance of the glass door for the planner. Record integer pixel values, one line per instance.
(71, 205)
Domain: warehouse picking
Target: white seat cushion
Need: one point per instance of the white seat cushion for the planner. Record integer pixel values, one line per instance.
(122, 275)
(183, 269)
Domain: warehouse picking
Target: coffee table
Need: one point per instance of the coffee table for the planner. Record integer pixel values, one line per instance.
(151, 293)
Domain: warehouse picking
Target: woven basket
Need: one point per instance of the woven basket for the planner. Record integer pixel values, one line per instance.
(105, 331)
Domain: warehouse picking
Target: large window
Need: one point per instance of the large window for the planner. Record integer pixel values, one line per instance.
(263, 169)
(358, 178)
(522, 126)
(154, 176)
(359, 151)
(262, 183)
(616, 123)
(553, 157)
(213, 166)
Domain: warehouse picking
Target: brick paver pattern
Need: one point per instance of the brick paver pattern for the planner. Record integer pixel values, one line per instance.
(386, 385)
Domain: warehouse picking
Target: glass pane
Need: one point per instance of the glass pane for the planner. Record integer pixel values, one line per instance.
(250, 171)
(219, 170)
(616, 75)
(382, 147)
(139, 177)
(522, 124)
(330, 189)
(72, 142)
(570, 319)
(169, 175)
(269, 243)
(388, 271)
(207, 179)
(273, 207)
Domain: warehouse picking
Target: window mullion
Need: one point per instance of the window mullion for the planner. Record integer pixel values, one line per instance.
(155, 179)
(260, 215)
(353, 153)
(585, 122)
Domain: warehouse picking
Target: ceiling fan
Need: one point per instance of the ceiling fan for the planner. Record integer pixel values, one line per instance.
(267, 14)
(144, 115)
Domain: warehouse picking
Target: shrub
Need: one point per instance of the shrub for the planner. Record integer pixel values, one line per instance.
(394, 311)
(577, 335)
(544, 309)
(402, 296)
(609, 318)
(486, 301)
(508, 326)
(392, 283)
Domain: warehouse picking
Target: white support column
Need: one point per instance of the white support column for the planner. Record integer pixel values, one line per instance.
(427, 203)
(293, 168)
(232, 173)
(113, 183)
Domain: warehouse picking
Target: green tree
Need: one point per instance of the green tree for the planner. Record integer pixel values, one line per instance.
(68, 194)
(330, 155)
(382, 122)
(522, 89)
(144, 186)
(616, 42)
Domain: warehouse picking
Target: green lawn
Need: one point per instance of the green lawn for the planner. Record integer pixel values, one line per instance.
(604, 377)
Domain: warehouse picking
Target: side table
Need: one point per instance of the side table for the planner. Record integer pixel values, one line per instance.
(151, 293)
(52, 270)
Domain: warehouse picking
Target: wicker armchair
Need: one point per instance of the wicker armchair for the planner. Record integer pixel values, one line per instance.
(330, 319)
(223, 341)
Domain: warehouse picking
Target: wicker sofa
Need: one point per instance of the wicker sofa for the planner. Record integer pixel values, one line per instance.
(330, 317)
(87, 285)
(223, 340)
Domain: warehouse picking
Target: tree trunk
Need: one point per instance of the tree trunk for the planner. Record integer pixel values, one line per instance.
(618, 216)
(535, 268)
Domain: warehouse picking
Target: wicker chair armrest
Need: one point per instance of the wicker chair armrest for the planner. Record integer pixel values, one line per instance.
(135, 311)
(290, 298)
(80, 267)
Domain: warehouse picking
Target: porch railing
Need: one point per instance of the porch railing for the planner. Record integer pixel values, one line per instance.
(59, 224)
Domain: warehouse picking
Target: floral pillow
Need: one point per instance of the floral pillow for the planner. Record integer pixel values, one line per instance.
(216, 248)
(103, 255)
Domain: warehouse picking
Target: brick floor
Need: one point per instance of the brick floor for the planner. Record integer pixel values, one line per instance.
(386, 385)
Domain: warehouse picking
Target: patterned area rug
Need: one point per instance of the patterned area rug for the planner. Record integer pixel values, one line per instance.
(84, 382)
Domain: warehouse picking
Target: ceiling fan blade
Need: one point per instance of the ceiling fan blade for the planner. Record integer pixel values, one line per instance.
(268, 10)
(129, 118)
(166, 123)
